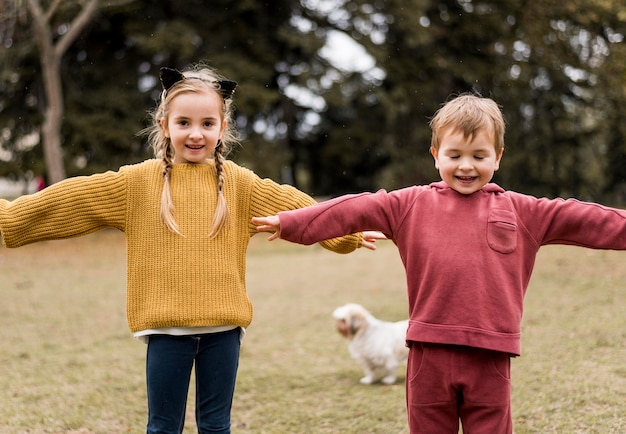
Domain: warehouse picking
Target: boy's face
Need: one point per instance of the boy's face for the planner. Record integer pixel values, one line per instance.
(466, 164)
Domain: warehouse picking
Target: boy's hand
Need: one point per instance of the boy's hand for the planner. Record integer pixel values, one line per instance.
(370, 237)
(268, 224)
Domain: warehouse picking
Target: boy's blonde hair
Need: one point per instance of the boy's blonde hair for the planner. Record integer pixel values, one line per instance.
(469, 113)
(199, 78)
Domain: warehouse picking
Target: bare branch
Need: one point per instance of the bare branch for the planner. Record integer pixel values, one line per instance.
(77, 26)
(40, 26)
(52, 10)
(35, 10)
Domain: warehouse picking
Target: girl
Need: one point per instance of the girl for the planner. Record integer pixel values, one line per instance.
(186, 216)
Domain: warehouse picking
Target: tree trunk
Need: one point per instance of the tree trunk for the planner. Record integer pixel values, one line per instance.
(53, 117)
(50, 56)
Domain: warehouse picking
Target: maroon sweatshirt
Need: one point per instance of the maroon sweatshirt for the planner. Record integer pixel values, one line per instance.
(468, 258)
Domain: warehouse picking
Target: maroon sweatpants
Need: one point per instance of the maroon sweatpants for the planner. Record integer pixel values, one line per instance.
(450, 383)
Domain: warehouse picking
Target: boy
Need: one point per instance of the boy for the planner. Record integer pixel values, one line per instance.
(468, 248)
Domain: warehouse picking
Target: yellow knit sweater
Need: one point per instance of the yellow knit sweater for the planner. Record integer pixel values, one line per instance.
(173, 280)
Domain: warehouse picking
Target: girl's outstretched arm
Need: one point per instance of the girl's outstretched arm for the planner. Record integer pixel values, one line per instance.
(272, 224)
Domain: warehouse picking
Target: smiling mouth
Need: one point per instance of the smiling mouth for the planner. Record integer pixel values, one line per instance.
(467, 178)
(194, 147)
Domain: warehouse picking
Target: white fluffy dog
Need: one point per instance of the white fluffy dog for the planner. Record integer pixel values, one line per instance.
(379, 346)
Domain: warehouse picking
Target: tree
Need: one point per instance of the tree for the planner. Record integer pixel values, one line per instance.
(556, 68)
(51, 53)
(543, 61)
(55, 28)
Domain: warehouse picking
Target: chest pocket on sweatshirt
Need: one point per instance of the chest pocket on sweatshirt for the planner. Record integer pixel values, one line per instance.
(502, 230)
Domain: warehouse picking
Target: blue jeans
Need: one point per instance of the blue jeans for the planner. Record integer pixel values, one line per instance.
(168, 370)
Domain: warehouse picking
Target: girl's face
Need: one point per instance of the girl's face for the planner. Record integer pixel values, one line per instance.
(194, 125)
(466, 164)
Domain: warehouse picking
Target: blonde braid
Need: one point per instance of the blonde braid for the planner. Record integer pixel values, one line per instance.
(221, 208)
(167, 204)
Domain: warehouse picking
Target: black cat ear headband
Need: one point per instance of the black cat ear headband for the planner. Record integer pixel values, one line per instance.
(169, 77)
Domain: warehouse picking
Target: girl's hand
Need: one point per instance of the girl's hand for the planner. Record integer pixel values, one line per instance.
(370, 237)
(268, 224)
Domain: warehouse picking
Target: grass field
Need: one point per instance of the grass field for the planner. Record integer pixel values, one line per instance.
(69, 365)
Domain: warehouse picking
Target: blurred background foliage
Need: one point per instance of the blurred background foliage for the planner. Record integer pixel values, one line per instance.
(335, 95)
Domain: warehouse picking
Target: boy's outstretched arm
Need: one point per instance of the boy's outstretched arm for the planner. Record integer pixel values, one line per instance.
(272, 224)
